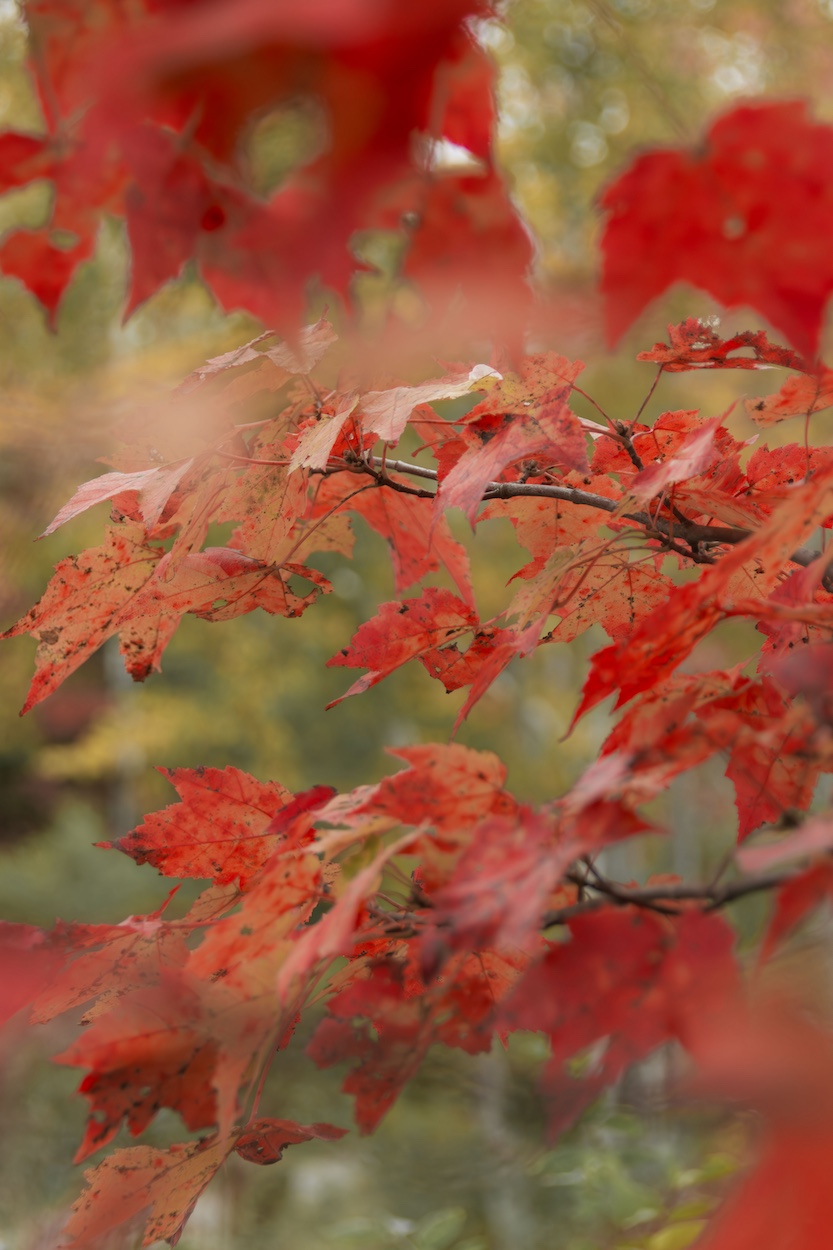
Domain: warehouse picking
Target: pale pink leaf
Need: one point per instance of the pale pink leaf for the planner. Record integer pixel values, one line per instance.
(388, 412)
(815, 837)
(316, 443)
(155, 486)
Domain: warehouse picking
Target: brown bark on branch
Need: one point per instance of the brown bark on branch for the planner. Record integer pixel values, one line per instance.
(656, 527)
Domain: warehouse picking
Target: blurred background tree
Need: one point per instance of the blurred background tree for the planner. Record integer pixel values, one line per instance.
(583, 84)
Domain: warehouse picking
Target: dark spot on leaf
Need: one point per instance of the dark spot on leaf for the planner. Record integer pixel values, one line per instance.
(213, 218)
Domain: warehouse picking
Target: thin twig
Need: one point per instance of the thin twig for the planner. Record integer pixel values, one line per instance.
(647, 398)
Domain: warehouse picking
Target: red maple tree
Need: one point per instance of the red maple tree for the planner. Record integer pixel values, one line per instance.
(471, 913)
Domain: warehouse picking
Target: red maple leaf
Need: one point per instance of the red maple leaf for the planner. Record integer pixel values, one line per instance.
(150, 1051)
(771, 472)
(744, 218)
(696, 344)
(448, 785)
(84, 604)
(388, 1045)
(771, 760)
(697, 452)
(813, 837)
(419, 542)
(220, 830)
(592, 586)
(453, 220)
(546, 429)
(216, 584)
(154, 486)
(669, 633)
(507, 645)
(456, 668)
(336, 933)
(808, 673)
(400, 632)
(797, 397)
(386, 413)
(657, 738)
(467, 92)
(146, 1188)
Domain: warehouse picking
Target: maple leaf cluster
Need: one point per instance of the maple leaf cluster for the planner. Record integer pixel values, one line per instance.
(148, 108)
(434, 907)
(420, 907)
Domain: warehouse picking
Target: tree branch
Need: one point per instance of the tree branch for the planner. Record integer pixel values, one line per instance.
(660, 898)
(668, 531)
(595, 892)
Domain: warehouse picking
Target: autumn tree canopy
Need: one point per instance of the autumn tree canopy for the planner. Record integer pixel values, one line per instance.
(436, 907)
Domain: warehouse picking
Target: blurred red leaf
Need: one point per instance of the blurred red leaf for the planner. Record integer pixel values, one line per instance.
(795, 900)
(29, 962)
(626, 978)
(785, 1203)
(157, 101)
(745, 218)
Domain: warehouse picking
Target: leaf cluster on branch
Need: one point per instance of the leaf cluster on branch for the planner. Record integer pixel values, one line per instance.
(435, 906)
